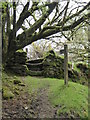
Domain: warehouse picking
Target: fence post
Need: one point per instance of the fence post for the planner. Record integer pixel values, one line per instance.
(65, 64)
(0, 62)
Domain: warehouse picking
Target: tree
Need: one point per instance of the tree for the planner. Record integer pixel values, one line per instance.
(49, 18)
(79, 45)
(39, 50)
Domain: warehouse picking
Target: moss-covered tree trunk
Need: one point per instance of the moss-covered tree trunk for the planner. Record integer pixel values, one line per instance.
(9, 39)
(5, 32)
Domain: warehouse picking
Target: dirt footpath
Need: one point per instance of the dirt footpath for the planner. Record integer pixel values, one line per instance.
(43, 107)
(25, 106)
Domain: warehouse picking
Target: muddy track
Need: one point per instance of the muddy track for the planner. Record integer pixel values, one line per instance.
(24, 106)
(42, 105)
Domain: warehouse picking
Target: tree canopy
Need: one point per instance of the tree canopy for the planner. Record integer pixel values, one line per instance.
(40, 20)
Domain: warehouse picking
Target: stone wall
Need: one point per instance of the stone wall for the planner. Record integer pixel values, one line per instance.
(85, 69)
(53, 66)
(17, 63)
(50, 66)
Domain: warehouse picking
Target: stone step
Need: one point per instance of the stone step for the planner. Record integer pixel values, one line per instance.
(35, 73)
(35, 66)
(35, 69)
(35, 61)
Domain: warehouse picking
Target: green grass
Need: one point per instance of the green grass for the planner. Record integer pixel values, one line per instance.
(71, 99)
(9, 88)
(35, 83)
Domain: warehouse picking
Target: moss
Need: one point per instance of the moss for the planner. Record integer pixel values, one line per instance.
(51, 52)
(20, 69)
(25, 66)
(7, 94)
(21, 84)
(84, 68)
(15, 77)
(20, 51)
(35, 73)
(16, 81)
(16, 92)
(16, 88)
(61, 57)
(53, 65)
(16, 63)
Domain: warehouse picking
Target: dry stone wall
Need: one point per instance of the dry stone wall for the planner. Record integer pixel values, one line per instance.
(50, 66)
(17, 63)
(53, 66)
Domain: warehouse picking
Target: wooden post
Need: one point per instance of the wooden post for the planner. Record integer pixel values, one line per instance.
(0, 63)
(65, 64)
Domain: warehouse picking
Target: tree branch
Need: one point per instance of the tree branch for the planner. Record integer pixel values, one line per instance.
(76, 14)
(50, 31)
(38, 23)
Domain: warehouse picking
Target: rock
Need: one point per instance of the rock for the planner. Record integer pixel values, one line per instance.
(17, 81)
(7, 94)
(73, 74)
(53, 65)
(17, 63)
(72, 116)
(84, 68)
(21, 84)
(16, 92)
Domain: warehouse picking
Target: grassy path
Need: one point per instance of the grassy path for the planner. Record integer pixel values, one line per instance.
(63, 101)
(43, 98)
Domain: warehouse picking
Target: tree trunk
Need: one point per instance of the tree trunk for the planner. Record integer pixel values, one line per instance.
(12, 37)
(5, 36)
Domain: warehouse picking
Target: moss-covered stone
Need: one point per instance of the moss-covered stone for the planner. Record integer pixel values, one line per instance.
(7, 94)
(16, 92)
(20, 51)
(20, 69)
(21, 84)
(17, 63)
(84, 68)
(53, 65)
(16, 81)
(35, 73)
